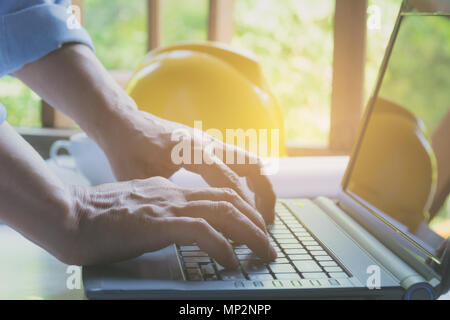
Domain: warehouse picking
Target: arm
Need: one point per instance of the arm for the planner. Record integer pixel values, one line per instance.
(138, 144)
(31, 197)
(140, 215)
(118, 221)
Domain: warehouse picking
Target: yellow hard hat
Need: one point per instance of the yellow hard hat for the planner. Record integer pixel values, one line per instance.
(396, 167)
(212, 83)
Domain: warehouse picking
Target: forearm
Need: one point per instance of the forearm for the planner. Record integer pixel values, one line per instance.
(73, 81)
(32, 200)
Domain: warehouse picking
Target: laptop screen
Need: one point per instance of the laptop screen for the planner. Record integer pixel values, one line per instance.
(401, 164)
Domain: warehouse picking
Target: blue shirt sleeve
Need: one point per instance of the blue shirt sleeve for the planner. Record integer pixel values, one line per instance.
(30, 29)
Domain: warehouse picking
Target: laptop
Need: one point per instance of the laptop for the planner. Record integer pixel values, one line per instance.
(375, 240)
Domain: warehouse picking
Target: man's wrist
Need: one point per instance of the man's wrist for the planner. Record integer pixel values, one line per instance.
(71, 249)
(109, 117)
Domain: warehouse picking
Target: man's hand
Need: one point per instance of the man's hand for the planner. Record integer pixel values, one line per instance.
(126, 219)
(139, 145)
(120, 220)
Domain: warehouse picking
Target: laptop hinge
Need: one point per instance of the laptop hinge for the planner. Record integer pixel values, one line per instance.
(407, 276)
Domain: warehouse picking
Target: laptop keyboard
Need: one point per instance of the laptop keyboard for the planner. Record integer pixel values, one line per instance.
(300, 256)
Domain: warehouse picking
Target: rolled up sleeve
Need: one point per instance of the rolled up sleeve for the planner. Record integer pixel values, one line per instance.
(30, 29)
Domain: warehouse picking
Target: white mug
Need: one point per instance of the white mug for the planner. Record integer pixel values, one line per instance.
(89, 158)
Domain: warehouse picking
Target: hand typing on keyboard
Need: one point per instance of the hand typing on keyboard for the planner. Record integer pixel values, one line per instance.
(147, 215)
(300, 257)
(122, 220)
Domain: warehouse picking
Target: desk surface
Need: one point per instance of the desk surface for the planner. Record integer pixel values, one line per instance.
(29, 272)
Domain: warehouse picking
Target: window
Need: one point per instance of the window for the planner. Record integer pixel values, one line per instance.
(294, 42)
(381, 19)
(22, 104)
(118, 30)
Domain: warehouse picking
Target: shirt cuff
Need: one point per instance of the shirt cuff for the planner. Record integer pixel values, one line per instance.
(32, 33)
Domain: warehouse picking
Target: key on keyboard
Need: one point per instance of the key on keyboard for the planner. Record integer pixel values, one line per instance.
(300, 256)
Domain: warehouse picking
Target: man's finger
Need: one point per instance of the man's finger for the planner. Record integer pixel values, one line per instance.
(187, 231)
(219, 175)
(229, 195)
(224, 217)
(259, 183)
